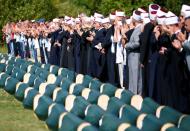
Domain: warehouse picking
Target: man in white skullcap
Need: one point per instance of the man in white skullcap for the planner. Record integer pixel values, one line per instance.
(145, 46)
(133, 48)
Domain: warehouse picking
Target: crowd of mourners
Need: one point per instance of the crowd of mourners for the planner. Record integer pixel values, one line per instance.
(147, 53)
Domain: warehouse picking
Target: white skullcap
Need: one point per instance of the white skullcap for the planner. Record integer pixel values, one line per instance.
(120, 13)
(171, 19)
(153, 8)
(105, 20)
(136, 15)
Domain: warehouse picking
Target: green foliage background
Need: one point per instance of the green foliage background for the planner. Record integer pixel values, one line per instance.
(15, 10)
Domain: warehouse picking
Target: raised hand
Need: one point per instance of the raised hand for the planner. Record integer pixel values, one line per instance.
(177, 44)
(181, 37)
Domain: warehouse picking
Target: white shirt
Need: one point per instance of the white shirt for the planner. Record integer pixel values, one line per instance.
(36, 43)
(120, 53)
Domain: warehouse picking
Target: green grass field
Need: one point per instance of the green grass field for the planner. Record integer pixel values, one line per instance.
(3, 49)
(13, 116)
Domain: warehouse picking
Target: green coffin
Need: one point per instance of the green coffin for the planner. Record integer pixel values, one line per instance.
(2, 67)
(124, 95)
(46, 67)
(69, 122)
(114, 106)
(76, 89)
(20, 89)
(95, 84)
(184, 122)
(79, 106)
(29, 79)
(109, 122)
(11, 61)
(129, 114)
(54, 70)
(65, 84)
(47, 89)
(93, 114)
(10, 85)
(3, 78)
(9, 69)
(149, 123)
(63, 72)
(38, 64)
(31, 69)
(18, 74)
(40, 106)
(149, 106)
(42, 73)
(87, 79)
(29, 95)
(37, 82)
(54, 111)
(24, 66)
(168, 114)
(174, 129)
(59, 80)
(71, 75)
(59, 95)
(108, 89)
(90, 95)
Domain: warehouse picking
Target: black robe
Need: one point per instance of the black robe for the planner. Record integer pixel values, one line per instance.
(55, 50)
(98, 59)
(172, 79)
(178, 79)
(85, 56)
(144, 53)
(70, 52)
(64, 53)
(112, 75)
(77, 51)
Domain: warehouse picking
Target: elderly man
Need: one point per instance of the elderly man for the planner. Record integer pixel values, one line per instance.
(183, 43)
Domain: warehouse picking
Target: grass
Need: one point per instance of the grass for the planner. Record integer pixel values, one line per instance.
(3, 48)
(13, 116)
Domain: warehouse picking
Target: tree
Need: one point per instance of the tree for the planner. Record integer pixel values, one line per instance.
(107, 6)
(172, 5)
(15, 10)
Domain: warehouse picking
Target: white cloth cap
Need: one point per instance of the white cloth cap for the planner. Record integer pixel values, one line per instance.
(161, 20)
(67, 18)
(56, 20)
(136, 15)
(145, 18)
(187, 13)
(97, 15)
(184, 10)
(153, 8)
(105, 20)
(99, 20)
(171, 19)
(161, 16)
(120, 13)
(112, 17)
(161, 13)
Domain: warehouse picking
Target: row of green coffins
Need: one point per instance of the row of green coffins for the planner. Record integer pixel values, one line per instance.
(68, 101)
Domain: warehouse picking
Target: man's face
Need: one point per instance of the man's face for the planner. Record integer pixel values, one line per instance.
(97, 25)
(187, 25)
